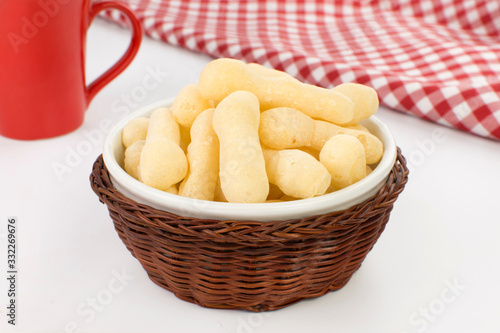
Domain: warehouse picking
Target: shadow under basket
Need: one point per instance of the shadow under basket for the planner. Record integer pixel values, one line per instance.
(249, 265)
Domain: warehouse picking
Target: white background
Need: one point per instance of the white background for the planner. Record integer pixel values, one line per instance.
(436, 267)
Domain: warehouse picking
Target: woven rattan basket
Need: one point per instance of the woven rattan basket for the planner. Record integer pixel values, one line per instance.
(249, 265)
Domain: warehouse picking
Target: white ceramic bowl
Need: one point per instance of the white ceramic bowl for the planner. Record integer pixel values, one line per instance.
(335, 201)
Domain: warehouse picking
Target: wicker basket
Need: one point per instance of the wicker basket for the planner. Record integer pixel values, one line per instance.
(249, 265)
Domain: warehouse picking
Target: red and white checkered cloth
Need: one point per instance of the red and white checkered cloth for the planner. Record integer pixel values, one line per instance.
(437, 59)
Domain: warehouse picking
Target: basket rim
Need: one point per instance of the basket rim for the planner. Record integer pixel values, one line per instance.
(253, 231)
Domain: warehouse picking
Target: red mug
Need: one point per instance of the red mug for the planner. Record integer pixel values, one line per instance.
(43, 92)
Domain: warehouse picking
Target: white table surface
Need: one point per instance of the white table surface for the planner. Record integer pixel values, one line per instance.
(436, 267)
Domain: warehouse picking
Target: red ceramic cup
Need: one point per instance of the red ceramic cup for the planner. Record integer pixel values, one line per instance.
(43, 92)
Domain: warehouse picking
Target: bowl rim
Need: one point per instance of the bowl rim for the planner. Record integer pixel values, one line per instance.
(268, 211)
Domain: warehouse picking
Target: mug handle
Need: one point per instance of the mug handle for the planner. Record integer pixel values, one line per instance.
(129, 55)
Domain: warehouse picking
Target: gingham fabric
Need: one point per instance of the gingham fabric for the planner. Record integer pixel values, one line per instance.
(436, 59)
